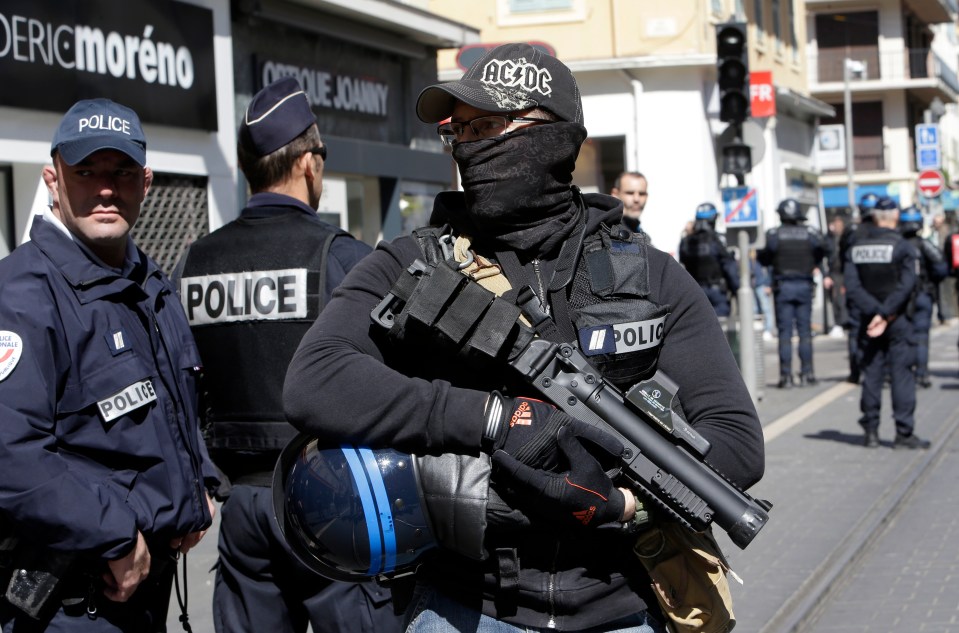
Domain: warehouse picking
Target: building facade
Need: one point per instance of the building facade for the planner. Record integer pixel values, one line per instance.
(647, 73)
(190, 67)
(894, 61)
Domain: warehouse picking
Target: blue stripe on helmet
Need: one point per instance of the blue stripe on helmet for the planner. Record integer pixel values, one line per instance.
(384, 507)
(369, 508)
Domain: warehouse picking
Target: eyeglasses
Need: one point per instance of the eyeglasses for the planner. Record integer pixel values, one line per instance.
(483, 126)
(321, 151)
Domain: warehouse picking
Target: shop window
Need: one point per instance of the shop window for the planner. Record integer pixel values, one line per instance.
(174, 214)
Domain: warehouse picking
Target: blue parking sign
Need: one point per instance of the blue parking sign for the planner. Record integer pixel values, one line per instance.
(740, 208)
(928, 153)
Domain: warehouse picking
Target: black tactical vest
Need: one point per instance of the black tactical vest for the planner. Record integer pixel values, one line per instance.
(703, 264)
(251, 291)
(618, 327)
(923, 281)
(794, 256)
(872, 253)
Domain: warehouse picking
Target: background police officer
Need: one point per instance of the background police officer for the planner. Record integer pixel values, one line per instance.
(932, 270)
(251, 290)
(867, 203)
(104, 469)
(703, 252)
(793, 251)
(880, 276)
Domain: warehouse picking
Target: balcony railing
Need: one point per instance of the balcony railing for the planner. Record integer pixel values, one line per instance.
(913, 63)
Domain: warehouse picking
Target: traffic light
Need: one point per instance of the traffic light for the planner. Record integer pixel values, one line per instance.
(732, 70)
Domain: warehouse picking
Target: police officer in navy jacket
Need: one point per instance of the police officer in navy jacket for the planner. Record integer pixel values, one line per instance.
(251, 289)
(104, 467)
(880, 274)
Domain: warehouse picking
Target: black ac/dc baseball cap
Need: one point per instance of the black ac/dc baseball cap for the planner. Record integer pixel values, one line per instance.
(509, 77)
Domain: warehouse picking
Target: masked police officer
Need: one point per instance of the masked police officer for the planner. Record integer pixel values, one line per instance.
(251, 289)
(932, 270)
(703, 252)
(867, 203)
(793, 251)
(521, 233)
(104, 469)
(880, 276)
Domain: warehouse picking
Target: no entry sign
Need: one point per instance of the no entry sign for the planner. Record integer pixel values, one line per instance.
(931, 183)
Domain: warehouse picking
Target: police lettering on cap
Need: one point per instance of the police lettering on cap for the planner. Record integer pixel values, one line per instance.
(91, 125)
(277, 114)
(508, 78)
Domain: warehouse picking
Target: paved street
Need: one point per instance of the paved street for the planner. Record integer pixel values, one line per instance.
(858, 540)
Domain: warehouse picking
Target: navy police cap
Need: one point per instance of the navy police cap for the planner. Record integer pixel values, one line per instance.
(277, 114)
(94, 124)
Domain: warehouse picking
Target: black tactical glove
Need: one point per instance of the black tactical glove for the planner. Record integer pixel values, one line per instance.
(523, 427)
(584, 494)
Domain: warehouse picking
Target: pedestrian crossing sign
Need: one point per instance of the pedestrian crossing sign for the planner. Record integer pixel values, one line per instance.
(740, 207)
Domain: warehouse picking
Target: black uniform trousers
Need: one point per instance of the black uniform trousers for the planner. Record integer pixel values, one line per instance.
(922, 323)
(793, 299)
(261, 587)
(897, 347)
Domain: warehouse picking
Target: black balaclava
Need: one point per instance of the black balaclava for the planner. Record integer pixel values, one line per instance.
(517, 186)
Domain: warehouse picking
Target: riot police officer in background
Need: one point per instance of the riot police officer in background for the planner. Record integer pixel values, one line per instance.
(880, 276)
(867, 203)
(703, 252)
(251, 289)
(932, 270)
(793, 251)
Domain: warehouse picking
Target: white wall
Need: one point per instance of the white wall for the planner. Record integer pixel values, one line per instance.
(668, 139)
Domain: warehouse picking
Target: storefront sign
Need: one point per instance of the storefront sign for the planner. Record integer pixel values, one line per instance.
(329, 90)
(156, 58)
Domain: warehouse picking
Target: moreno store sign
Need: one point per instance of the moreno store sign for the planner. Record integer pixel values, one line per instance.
(157, 59)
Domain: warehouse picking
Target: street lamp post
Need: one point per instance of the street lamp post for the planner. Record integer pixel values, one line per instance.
(849, 67)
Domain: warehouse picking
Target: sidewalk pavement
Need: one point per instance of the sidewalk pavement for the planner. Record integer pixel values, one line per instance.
(857, 540)
(833, 498)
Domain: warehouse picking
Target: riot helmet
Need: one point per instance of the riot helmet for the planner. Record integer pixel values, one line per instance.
(790, 211)
(706, 211)
(910, 221)
(351, 514)
(866, 204)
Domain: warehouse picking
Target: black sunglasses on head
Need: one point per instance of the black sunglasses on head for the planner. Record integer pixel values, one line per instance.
(321, 151)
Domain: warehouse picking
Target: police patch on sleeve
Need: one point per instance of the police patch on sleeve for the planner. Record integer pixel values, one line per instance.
(245, 296)
(621, 338)
(11, 347)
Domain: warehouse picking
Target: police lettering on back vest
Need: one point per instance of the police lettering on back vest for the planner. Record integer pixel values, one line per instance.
(794, 255)
(240, 301)
(873, 257)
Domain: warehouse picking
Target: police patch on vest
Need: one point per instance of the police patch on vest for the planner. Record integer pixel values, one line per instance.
(621, 338)
(137, 395)
(872, 253)
(11, 347)
(245, 296)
